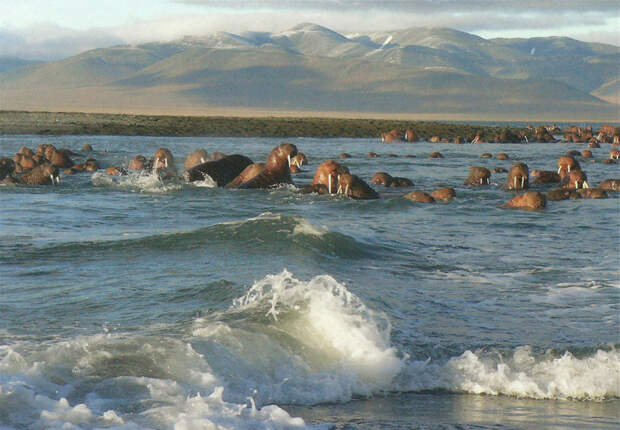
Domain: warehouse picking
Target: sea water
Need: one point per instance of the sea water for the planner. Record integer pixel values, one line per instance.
(135, 303)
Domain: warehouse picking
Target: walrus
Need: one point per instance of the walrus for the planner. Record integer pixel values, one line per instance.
(382, 178)
(478, 176)
(139, 162)
(566, 163)
(248, 173)
(592, 193)
(328, 174)
(163, 159)
(562, 194)
(531, 200)
(7, 168)
(44, 174)
(221, 171)
(276, 169)
(518, 177)
(444, 194)
(544, 177)
(610, 185)
(195, 158)
(352, 186)
(575, 179)
(419, 196)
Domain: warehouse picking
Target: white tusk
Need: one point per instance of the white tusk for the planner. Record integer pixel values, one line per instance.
(515, 182)
(289, 160)
(585, 184)
(329, 183)
(166, 162)
(568, 169)
(480, 181)
(559, 168)
(576, 184)
(346, 190)
(52, 178)
(522, 181)
(202, 160)
(339, 190)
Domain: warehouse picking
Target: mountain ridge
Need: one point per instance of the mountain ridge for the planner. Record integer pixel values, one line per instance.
(313, 67)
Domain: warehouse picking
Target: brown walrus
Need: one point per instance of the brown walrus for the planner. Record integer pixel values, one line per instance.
(610, 185)
(44, 174)
(328, 174)
(575, 179)
(544, 177)
(221, 171)
(444, 194)
(478, 176)
(276, 169)
(518, 177)
(353, 186)
(566, 163)
(195, 158)
(419, 196)
(163, 159)
(531, 200)
(248, 173)
(382, 178)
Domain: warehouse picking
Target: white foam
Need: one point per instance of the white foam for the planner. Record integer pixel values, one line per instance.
(316, 340)
(140, 181)
(192, 400)
(303, 227)
(524, 375)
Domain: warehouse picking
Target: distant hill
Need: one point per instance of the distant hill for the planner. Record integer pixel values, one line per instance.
(8, 63)
(313, 68)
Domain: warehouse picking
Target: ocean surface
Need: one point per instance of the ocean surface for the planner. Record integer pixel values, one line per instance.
(132, 303)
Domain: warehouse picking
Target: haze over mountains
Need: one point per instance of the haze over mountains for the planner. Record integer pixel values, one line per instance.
(309, 68)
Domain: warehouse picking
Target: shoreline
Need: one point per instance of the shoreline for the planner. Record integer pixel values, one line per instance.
(122, 124)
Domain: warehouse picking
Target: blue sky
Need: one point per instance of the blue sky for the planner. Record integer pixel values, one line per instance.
(50, 29)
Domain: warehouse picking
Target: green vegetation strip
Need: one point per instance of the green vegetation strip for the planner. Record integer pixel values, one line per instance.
(49, 123)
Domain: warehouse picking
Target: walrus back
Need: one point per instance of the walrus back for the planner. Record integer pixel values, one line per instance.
(221, 171)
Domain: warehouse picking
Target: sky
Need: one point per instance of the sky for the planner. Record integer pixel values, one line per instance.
(52, 29)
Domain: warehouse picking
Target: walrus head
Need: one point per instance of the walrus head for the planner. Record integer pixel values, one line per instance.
(280, 157)
(328, 173)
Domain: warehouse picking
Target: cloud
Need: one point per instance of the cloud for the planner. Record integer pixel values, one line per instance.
(51, 42)
(490, 6)
(543, 18)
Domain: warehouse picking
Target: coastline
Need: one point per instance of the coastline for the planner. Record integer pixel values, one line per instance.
(271, 125)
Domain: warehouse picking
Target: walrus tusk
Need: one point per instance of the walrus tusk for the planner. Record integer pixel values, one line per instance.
(480, 181)
(568, 169)
(576, 184)
(522, 181)
(329, 183)
(289, 160)
(559, 168)
(585, 184)
(52, 178)
(346, 190)
(166, 162)
(515, 182)
(202, 160)
(339, 190)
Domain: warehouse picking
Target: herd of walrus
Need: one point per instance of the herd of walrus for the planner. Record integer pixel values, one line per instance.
(331, 177)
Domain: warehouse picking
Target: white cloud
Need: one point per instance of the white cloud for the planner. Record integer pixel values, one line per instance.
(50, 42)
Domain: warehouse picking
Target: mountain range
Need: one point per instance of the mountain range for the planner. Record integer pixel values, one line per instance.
(438, 72)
